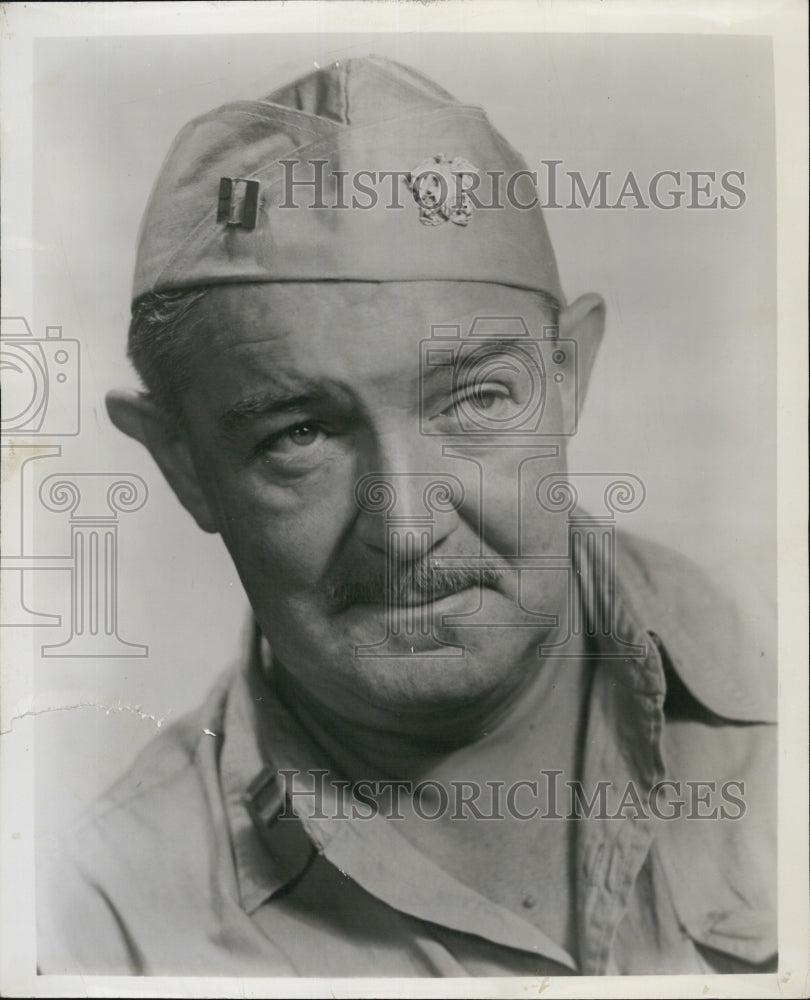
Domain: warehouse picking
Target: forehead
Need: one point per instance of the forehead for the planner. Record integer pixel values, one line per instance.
(318, 324)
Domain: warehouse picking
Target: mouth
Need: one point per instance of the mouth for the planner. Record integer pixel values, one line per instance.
(417, 624)
(417, 588)
(437, 597)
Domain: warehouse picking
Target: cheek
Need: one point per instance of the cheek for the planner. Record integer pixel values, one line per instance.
(501, 485)
(281, 539)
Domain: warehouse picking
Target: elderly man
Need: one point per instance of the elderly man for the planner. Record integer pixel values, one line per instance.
(468, 739)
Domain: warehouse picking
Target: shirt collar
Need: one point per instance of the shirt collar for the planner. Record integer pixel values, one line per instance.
(702, 636)
(268, 854)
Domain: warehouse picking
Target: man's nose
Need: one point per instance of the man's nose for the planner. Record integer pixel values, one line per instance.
(401, 496)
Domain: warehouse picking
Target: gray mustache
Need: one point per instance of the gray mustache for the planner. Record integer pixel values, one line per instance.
(415, 583)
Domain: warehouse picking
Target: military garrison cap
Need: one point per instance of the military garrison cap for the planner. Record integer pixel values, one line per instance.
(362, 171)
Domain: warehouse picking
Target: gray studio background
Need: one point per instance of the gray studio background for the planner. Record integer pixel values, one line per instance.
(684, 391)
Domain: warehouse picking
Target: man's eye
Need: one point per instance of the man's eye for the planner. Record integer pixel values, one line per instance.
(485, 400)
(303, 435)
(477, 401)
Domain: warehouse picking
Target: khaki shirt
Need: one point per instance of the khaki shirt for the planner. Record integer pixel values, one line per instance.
(187, 868)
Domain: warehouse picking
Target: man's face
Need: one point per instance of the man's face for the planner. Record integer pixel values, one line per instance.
(298, 392)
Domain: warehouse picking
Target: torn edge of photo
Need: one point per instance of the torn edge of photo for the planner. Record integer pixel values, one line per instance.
(404, 477)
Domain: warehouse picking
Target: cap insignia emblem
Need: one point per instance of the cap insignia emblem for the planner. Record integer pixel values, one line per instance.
(440, 188)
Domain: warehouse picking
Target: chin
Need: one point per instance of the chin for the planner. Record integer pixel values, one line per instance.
(367, 672)
(429, 683)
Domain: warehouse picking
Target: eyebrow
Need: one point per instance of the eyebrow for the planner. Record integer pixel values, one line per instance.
(304, 393)
(277, 399)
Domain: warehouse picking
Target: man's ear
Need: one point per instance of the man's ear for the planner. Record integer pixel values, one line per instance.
(139, 418)
(584, 322)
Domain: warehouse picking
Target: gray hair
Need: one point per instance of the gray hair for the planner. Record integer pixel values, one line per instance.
(158, 345)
